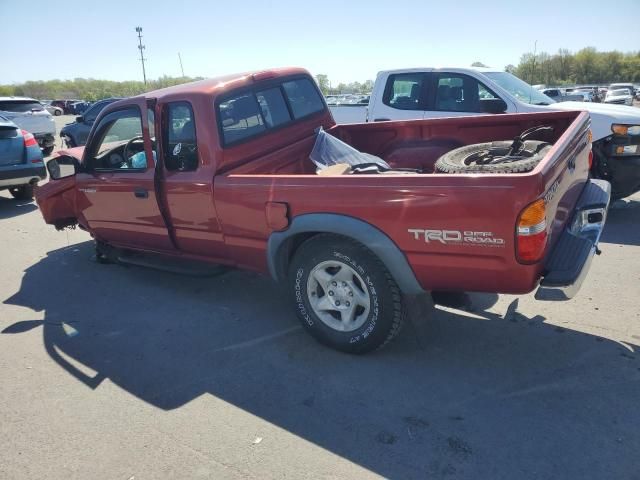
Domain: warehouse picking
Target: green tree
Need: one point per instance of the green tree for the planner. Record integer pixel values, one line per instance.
(323, 83)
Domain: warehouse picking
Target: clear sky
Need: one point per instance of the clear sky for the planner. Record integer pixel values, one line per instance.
(347, 40)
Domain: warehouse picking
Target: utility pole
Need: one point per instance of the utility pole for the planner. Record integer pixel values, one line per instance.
(181, 69)
(141, 48)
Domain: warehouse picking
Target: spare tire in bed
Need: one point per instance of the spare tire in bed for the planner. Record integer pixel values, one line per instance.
(493, 157)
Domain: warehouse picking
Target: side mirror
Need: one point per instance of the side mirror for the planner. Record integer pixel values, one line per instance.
(493, 105)
(63, 167)
(80, 119)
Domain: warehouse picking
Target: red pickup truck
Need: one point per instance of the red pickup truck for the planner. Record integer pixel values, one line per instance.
(218, 171)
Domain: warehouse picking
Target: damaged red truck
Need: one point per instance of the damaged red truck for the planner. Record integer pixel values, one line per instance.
(218, 172)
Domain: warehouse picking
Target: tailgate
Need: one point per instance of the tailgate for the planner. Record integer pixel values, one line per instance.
(11, 146)
(564, 174)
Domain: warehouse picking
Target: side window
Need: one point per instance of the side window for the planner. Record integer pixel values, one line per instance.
(303, 97)
(274, 108)
(460, 93)
(119, 142)
(182, 147)
(485, 94)
(450, 94)
(240, 118)
(403, 91)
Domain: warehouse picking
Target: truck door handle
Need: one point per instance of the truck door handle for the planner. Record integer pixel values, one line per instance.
(381, 119)
(141, 193)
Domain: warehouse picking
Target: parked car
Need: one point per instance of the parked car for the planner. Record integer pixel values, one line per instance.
(628, 86)
(75, 133)
(620, 96)
(32, 117)
(450, 92)
(21, 163)
(562, 96)
(226, 177)
(587, 95)
(78, 108)
(65, 105)
(53, 110)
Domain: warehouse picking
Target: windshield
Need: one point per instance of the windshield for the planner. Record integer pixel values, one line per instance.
(616, 93)
(519, 89)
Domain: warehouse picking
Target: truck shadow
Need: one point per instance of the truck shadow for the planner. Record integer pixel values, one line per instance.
(475, 391)
(10, 207)
(622, 222)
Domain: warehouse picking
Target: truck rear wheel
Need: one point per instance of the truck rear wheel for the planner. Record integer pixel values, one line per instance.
(493, 157)
(344, 295)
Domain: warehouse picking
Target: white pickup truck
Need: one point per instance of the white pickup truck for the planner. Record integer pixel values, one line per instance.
(452, 92)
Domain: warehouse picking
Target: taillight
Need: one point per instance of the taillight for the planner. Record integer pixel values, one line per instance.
(29, 139)
(531, 234)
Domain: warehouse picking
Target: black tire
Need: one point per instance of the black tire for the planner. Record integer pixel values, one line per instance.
(57, 113)
(462, 160)
(104, 253)
(47, 151)
(373, 280)
(23, 192)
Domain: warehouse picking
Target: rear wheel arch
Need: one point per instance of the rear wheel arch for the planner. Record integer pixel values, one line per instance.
(281, 246)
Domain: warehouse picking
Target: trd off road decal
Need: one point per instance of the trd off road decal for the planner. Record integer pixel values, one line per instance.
(457, 237)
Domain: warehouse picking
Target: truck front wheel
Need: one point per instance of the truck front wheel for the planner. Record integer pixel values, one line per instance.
(344, 295)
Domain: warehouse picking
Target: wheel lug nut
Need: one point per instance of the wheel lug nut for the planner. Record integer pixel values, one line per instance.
(344, 284)
(347, 304)
(338, 302)
(335, 284)
(331, 293)
(351, 294)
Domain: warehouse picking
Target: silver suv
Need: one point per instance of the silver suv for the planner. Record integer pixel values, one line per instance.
(30, 115)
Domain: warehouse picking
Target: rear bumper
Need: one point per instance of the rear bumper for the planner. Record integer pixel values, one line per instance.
(569, 263)
(16, 175)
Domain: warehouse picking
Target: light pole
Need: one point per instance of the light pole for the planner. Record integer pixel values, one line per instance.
(141, 48)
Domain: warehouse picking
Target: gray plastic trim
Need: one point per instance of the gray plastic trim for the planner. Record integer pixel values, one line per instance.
(374, 239)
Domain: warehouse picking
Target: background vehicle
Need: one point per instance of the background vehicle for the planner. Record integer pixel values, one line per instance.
(79, 108)
(65, 105)
(53, 110)
(559, 96)
(219, 171)
(75, 134)
(619, 96)
(31, 116)
(21, 164)
(452, 92)
(628, 86)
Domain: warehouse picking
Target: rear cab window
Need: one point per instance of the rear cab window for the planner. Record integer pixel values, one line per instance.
(250, 113)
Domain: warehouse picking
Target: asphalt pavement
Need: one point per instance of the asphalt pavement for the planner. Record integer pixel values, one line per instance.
(113, 372)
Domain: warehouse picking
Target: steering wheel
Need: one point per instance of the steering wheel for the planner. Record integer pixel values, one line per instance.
(125, 152)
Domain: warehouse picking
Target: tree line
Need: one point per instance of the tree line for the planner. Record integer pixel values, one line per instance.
(562, 68)
(88, 88)
(586, 66)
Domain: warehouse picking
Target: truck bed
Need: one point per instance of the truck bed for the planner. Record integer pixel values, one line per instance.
(395, 204)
